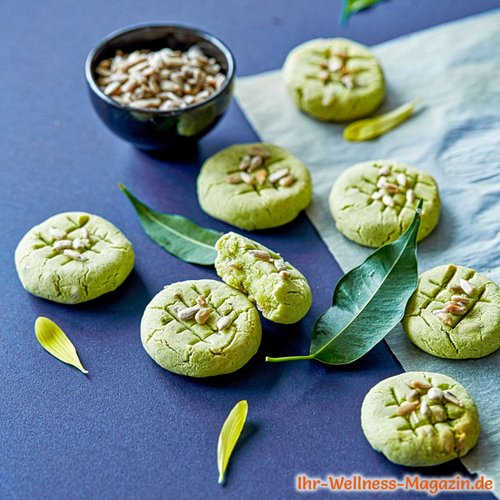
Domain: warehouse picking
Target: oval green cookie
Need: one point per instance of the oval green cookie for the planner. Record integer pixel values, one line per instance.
(334, 79)
(200, 328)
(420, 419)
(73, 257)
(252, 193)
(374, 202)
(280, 292)
(448, 321)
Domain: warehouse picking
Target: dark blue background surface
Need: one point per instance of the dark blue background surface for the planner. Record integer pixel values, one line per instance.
(130, 429)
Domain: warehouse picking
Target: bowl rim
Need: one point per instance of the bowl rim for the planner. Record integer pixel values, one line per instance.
(217, 42)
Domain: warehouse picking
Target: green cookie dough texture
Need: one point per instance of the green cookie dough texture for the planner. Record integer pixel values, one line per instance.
(334, 79)
(185, 345)
(259, 205)
(370, 214)
(73, 257)
(279, 291)
(420, 419)
(435, 324)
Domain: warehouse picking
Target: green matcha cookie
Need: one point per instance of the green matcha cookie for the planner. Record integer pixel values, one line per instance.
(254, 186)
(374, 202)
(280, 292)
(420, 419)
(73, 257)
(454, 313)
(334, 79)
(200, 328)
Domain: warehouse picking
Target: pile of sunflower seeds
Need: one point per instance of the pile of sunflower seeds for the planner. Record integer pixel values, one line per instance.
(70, 248)
(387, 189)
(458, 304)
(279, 264)
(435, 395)
(335, 64)
(164, 80)
(201, 313)
(253, 170)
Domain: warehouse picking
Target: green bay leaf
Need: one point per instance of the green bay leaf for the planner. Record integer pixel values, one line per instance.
(229, 435)
(176, 234)
(368, 302)
(350, 7)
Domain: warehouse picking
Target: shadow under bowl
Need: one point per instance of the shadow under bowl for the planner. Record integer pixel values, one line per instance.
(152, 129)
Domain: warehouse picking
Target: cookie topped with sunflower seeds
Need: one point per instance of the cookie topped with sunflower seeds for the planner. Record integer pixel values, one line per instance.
(454, 313)
(254, 186)
(334, 79)
(420, 419)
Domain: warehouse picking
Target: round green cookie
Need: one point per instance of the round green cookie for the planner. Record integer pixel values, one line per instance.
(454, 313)
(420, 419)
(73, 257)
(200, 328)
(280, 292)
(254, 186)
(334, 79)
(374, 202)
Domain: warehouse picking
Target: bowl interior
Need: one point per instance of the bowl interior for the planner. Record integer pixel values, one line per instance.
(164, 36)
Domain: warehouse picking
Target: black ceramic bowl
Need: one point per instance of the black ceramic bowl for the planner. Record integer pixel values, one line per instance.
(154, 129)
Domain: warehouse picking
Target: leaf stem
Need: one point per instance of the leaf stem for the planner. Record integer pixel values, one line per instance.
(289, 358)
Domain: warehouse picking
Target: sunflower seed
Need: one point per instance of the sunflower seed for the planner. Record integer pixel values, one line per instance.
(462, 299)
(377, 195)
(385, 170)
(410, 196)
(284, 274)
(245, 162)
(201, 317)
(417, 384)
(435, 394)
(413, 395)
(247, 178)
(390, 187)
(112, 88)
(61, 244)
(188, 313)
(279, 264)
(334, 65)
(255, 163)
(401, 179)
(234, 179)
(438, 413)
(201, 301)
(287, 181)
(455, 308)
(259, 151)
(73, 255)
(467, 287)
(444, 317)
(278, 174)
(224, 322)
(381, 181)
(259, 254)
(347, 81)
(78, 244)
(324, 75)
(387, 200)
(425, 410)
(451, 398)
(406, 408)
(146, 103)
(455, 288)
(261, 176)
(58, 234)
